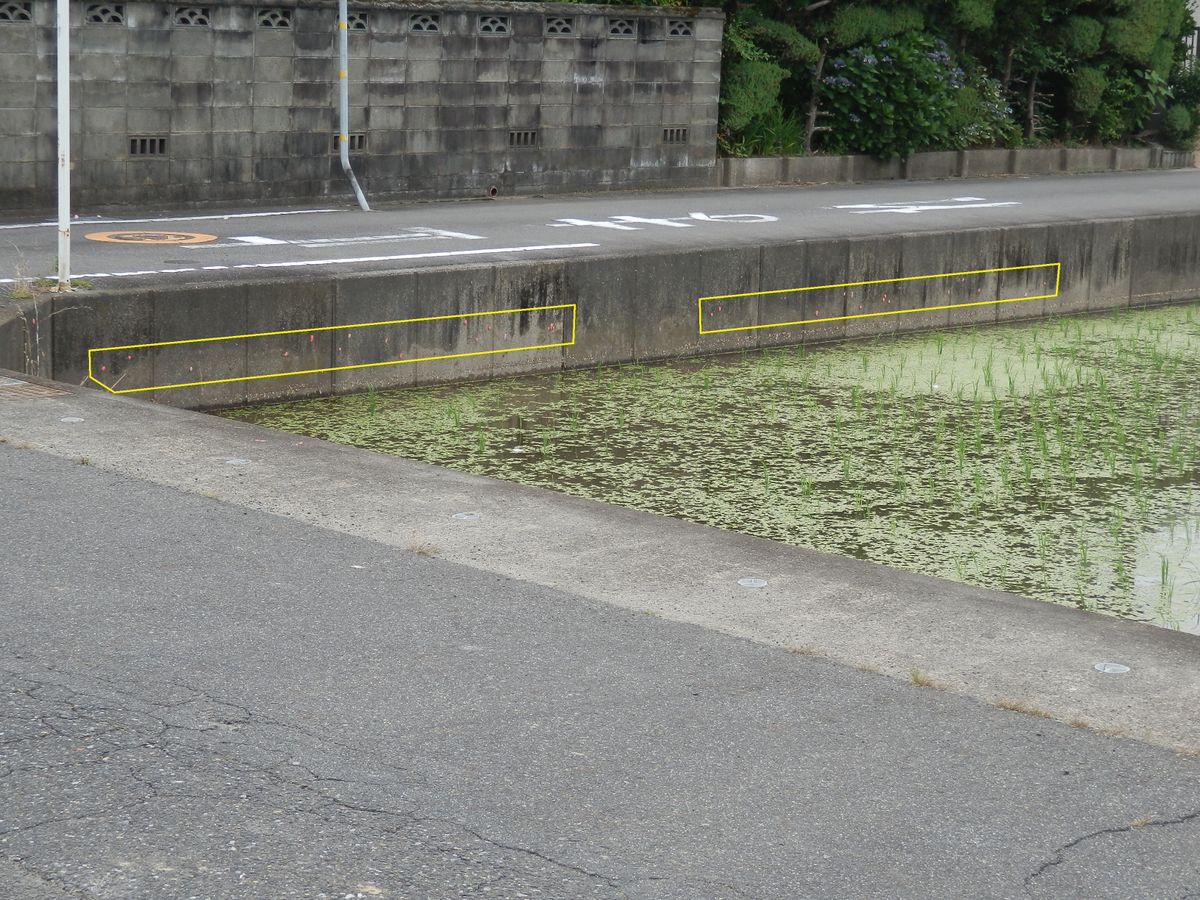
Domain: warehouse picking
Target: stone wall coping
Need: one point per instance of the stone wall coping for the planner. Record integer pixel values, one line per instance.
(944, 164)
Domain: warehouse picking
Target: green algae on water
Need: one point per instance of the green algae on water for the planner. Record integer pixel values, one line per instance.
(1058, 460)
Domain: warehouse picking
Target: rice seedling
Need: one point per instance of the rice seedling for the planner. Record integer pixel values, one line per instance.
(1005, 471)
(1043, 546)
(860, 502)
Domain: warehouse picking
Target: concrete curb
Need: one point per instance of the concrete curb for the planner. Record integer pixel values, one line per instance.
(948, 164)
(1001, 649)
(1058, 268)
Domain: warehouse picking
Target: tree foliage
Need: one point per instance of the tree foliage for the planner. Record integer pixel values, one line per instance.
(893, 97)
(1032, 70)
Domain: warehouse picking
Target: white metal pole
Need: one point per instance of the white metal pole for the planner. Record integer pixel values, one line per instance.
(344, 100)
(64, 144)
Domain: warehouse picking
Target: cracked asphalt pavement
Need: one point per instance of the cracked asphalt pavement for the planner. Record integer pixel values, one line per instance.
(201, 699)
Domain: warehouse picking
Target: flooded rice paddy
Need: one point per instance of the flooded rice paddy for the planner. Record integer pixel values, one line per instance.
(1059, 460)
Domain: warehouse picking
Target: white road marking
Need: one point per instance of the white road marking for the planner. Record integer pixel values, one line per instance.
(629, 223)
(739, 218)
(569, 223)
(417, 234)
(308, 263)
(440, 254)
(681, 222)
(919, 206)
(100, 221)
(254, 241)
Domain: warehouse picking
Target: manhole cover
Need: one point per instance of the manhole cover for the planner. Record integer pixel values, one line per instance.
(150, 237)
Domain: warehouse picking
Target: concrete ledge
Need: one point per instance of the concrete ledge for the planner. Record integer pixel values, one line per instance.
(753, 171)
(1105, 264)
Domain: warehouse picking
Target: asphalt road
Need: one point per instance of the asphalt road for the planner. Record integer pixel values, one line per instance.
(245, 244)
(200, 699)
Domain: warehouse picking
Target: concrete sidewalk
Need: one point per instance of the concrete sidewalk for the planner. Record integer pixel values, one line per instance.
(241, 664)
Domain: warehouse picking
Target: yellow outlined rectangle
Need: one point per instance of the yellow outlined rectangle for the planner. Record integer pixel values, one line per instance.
(358, 325)
(1057, 266)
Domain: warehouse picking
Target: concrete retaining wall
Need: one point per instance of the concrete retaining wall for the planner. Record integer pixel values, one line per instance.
(629, 308)
(234, 100)
(948, 164)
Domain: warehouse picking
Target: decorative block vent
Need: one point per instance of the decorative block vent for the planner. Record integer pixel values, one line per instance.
(425, 22)
(16, 12)
(192, 15)
(681, 28)
(356, 21)
(357, 142)
(493, 25)
(622, 28)
(275, 17)
(147, 145)
(560, 25)
(675, 134)
(104, 14)
(522, 139)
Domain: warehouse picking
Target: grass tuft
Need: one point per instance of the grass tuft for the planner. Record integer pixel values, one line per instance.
(1021, 706)
(424, 549)
(803, 650)
(920, 679)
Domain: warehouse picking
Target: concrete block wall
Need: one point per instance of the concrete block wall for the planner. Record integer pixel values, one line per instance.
(448, 100)
(633, 308)
(749, 172)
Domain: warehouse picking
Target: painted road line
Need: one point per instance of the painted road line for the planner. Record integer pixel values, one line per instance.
(465, 335)
(417, 234)
(418, 231)
(919, 206)
(352, 260)
(803, 293)
(631, 223)
(439, 254)
(102, 221)
(255, 241)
